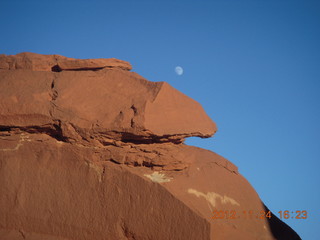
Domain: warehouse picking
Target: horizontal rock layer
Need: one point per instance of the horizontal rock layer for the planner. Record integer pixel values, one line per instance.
(99, 106)
(56, 63)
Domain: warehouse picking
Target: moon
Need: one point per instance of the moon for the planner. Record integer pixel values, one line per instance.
(178, 70)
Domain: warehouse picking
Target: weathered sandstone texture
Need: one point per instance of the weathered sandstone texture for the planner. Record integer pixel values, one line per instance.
(90, 150)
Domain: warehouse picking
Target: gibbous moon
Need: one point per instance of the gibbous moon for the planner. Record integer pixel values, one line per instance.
(178, 70)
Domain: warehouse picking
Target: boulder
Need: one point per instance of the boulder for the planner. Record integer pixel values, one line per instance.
(94, 151)
(106, 105)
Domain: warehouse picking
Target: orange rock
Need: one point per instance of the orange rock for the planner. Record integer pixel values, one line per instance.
(110, 104)
(38, 62)
(100, 155)
(93, 64)
(31, 61)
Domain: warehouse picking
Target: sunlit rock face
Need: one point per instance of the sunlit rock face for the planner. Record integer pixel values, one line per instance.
(91, 150)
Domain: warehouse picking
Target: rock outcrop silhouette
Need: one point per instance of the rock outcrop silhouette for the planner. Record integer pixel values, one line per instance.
(91, 150)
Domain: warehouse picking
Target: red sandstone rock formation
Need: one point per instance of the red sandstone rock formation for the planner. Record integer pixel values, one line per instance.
(90, 150)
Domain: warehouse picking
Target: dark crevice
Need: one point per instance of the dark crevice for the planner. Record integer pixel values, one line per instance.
(135, 110)
(22, 234)
(54, 92)
(113, 161)
(84, 69)
(53, 130)
(135, 164)
(131, 138)
(127, 233)
(54, 95)
(106, 143)
(150, 165)
(4, 129)
(56, 68)
(57, 134)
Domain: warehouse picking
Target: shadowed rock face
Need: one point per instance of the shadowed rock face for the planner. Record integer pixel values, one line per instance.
(90, 150)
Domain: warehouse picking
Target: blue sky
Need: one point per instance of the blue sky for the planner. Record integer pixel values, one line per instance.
(253, 65)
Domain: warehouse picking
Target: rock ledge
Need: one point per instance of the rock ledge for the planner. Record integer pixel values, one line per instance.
(57, 63)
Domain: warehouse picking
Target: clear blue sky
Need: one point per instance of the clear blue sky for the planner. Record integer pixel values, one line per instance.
(253, 65)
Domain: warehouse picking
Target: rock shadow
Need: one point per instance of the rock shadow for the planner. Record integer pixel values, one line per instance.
(279, 229)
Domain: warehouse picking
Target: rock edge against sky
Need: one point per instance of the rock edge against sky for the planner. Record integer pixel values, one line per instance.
(91, 150)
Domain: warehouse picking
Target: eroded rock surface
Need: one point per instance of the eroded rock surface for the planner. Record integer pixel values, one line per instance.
(90, 150)
(57, 63)
(106, 105)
